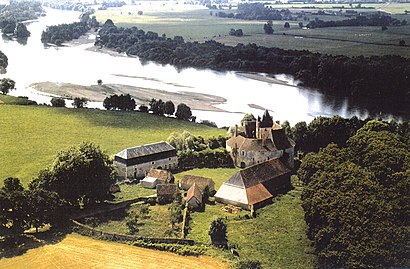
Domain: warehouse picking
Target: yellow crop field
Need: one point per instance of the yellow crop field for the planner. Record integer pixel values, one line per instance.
(77, 251)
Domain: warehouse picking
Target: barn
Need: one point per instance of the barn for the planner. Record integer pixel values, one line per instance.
(253, 187)
(156, 176)
(137, 161)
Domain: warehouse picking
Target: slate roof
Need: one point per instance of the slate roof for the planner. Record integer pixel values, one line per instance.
(187, 181)
(194, 193)
(145, 150)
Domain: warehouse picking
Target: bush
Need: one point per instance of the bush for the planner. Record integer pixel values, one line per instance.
(58, 102)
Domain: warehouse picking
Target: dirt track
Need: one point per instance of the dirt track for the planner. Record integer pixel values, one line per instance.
(77, 251)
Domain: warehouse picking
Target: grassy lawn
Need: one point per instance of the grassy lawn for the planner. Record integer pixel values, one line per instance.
(218, 175)
(31, 136)
(194, 23)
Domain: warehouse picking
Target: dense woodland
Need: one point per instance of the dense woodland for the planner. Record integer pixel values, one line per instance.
(361, 20)
(356, 199)
(386, 77)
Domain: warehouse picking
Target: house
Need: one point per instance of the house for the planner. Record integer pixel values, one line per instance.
(194, 196)
(166, 193)
(202, 182)
(259, 141)
(253, 187)
(137, 161)
(156, 176)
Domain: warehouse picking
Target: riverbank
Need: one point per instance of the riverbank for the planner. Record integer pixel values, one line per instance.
(97, 93)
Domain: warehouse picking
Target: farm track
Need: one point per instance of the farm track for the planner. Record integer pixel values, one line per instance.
(77, 251)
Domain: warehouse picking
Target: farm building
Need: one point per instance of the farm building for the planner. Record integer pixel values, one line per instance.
(202, 182)
(257, 141)
(137, 161)
(253, 187)
(166, 193)
(156, 176)
(194, 196)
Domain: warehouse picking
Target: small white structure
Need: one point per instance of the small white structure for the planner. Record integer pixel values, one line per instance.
(149, 182)
(137, 161)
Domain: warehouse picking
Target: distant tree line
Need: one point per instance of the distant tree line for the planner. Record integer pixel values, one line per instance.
(257, 11)
(69, 5)
(356, 199)
(361, 20)
(57, 34)
(4, 60)
(386, 77)
(12, 16)
(106, 5)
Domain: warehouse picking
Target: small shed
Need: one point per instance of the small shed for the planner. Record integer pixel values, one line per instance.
(157, 176)
(166, 193)
(202, 182)
(194, 196)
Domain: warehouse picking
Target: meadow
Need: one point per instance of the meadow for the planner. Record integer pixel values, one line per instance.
(32, 135)
(195, 23)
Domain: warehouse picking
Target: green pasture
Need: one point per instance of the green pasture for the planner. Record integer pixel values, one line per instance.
(194, 23)
(32, 135)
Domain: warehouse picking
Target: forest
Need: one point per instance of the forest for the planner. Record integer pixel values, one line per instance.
(378, 78)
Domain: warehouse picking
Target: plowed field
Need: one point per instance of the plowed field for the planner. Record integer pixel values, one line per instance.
(77, 251)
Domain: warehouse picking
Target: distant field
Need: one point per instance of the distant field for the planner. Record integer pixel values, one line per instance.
(77, 251)
(194, 23)
(31, 136)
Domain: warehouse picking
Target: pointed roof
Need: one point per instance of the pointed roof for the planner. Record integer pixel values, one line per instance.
(194, 193)
(251, 144)
(145, 150)
(160, 174)
(202, 182)
(267, 121)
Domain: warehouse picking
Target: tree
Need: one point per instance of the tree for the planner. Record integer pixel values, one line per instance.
(99, 82)
(300, 24)
(13, 207)
(217, 232)
(79, 175)
(402, 43)
(157, 107)
(80, 102)
(21, 31)
(143, 108)
(132, 222)
(58, 102)
(6, 85)
(268, 28)
(183, 112)
(169, 108)
(286, 25)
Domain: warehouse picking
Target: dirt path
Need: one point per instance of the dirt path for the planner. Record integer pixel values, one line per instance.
(77, 251)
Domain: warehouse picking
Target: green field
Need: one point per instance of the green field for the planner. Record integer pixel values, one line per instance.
(194, 23)
(32, 135)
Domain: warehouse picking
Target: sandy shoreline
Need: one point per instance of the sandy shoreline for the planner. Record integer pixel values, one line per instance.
(197, 101)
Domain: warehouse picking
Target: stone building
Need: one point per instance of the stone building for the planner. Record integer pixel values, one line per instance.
(155, 177)
(257, 141)
(254, 186)
(137, 161)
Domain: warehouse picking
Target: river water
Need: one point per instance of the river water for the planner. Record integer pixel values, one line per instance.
(33, 62)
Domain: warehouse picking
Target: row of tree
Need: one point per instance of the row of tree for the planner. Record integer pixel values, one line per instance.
(356, 200)
(385, 78)
(361, 20)
(58, 34)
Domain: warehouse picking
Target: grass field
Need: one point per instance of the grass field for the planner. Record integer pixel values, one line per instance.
(194, 23)
(31, 136)
(77, 251)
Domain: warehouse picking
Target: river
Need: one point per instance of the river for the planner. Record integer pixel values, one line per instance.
(33, 62)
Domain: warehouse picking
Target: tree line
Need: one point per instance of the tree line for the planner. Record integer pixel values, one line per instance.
(257, 11)
(360, 20)
(384, 77)
(356, 199)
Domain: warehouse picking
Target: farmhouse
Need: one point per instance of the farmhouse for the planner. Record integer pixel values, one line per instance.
(157, 176)
(253, 187)
(194, 196)
(258, 141)
(201, 182)
(137, 161)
